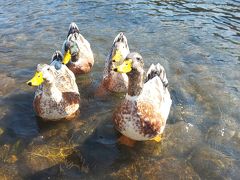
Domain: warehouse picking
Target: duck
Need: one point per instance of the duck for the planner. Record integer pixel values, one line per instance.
(113, 81)
(143, 113)
(57, 96)
(78, 55)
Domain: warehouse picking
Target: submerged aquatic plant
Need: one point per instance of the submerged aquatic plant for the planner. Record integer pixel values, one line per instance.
(55, 154)
(8, 153)
(61, 154)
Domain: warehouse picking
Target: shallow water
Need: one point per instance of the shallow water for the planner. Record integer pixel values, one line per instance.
(198, 43)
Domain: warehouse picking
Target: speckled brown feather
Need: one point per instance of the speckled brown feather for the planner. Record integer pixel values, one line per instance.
(36, 105)
(143, 115)
(150, 120)
(115, 84)
(68, 99)
(80, 69)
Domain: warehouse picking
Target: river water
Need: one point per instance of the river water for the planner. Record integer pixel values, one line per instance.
(198, 43)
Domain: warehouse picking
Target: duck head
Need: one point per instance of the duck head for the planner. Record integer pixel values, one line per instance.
(71, 48)
(133, 62)
(44, 74)
(56, 60)
(133, 67)
(120, 48)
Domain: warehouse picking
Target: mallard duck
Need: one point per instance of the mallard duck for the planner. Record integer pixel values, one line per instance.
(142, 115)
(57, 95)
(113, 81)
(78, 54)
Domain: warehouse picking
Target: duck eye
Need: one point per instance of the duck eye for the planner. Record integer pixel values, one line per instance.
(48, 69)
(138, 58)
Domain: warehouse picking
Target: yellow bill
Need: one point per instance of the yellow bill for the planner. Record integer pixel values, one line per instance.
(125, 67)
(117, 56)
(67, 57)
(36, 80)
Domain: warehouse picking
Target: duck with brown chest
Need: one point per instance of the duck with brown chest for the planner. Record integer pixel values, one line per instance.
(57, 96)
(113, 81)
(143, 113)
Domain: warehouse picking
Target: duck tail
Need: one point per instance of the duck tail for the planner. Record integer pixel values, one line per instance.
(121, 38)
(73, 28)
(157, 70)
(57, 56)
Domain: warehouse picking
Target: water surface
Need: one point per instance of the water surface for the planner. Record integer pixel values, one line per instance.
(198, 43)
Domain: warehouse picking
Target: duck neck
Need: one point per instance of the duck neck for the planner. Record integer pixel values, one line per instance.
(135, 82)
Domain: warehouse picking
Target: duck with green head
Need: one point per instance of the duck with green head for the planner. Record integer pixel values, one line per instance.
(78, 55)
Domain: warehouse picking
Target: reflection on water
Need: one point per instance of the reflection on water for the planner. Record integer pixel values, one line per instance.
(198, 42)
